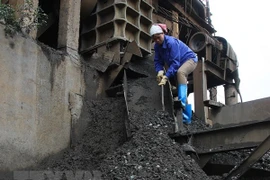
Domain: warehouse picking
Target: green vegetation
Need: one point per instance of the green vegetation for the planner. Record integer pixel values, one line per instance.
(24, 19)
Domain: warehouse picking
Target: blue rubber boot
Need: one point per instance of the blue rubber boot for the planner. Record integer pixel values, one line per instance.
(187, 110)
(187, 114)
(182, 94)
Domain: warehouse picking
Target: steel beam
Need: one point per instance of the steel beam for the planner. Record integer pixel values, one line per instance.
(230, 138)
(212, 169)
(200, 91)
(241, 113)
(215, 74)
(214, 69)
(252, 159)
(178, 8)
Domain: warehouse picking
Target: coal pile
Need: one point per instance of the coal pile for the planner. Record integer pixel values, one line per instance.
(150, 153)
(104, 133)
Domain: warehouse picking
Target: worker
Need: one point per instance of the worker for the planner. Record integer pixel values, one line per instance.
(180, 61)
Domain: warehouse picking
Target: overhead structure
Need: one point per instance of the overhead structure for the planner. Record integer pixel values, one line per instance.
(115, 22)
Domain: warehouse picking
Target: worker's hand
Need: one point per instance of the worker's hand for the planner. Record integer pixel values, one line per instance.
(160, 75)
(163, 81)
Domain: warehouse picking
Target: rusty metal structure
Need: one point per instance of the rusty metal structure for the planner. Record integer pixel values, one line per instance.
(113, 32)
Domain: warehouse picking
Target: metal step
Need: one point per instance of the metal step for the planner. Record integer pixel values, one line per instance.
(213, 104)
(235, 137)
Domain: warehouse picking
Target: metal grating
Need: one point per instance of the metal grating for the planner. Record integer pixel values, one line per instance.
(114, 20)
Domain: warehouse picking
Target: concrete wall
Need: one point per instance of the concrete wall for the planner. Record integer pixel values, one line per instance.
(40, 89)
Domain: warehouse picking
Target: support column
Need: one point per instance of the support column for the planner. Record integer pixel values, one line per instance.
(200, 92)
(231, 95)
(69, 26)
(175, 32)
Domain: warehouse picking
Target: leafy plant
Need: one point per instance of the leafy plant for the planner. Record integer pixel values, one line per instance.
(28, 18)
(8, 18)
(31, 17)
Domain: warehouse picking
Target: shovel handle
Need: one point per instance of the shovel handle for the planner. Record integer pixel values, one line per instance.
(162, 97)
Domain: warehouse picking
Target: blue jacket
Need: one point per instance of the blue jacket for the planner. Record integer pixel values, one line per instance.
(174, 53)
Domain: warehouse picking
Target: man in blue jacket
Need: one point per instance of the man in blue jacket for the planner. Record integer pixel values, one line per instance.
(180, 60)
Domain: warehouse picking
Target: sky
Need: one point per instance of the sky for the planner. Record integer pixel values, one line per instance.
(245, 25)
